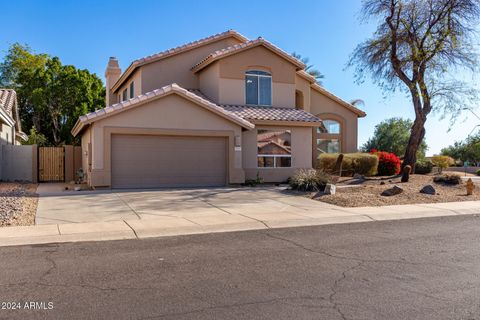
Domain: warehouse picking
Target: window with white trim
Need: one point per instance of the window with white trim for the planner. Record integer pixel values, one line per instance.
(258, 88)
(274, 148)
(124, 95)
(330, 139)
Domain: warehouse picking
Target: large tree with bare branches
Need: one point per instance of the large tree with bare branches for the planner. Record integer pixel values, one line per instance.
(420, 46)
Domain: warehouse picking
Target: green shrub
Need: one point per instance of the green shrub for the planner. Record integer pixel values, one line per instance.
(309, 180)
(478, 172)
(448, 178)
(361, 163)
(423, 167)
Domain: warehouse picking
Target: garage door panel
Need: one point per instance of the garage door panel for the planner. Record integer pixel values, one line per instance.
(141, 161)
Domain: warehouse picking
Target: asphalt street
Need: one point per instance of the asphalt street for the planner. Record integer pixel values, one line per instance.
(409, 269)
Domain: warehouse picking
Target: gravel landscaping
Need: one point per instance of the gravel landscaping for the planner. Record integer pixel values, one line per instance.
(18, 204)
(363, 193)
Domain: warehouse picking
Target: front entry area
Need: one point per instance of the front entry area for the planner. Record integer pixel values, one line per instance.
(156, 161)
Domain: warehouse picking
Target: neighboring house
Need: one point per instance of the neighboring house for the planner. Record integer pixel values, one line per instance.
(201, 114)
(10, 127)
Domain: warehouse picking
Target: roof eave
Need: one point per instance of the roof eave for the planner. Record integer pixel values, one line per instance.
(136, 63)
(342, 102)
(210, 59)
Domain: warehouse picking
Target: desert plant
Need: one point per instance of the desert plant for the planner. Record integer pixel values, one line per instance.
(423, 167)
(254, 182)
(361, 163)
(477, 173)
(309, 180)
(388, 163)
(448, 178)
(442, 162)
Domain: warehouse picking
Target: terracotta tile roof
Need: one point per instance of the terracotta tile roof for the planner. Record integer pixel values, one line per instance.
(8, 98)
(243, 46)
(272, 113)
(138, 100)
(176, 50)
(264, 112)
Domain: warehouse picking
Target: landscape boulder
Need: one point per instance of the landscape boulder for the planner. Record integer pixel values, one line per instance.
(428, 189)
(330, 189)
(392, 191)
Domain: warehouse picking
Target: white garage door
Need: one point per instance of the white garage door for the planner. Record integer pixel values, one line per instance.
(142, 161)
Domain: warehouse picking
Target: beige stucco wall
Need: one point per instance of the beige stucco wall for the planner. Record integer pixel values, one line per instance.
(209, 81)
(7, 134)
(86, 152)
(232, 76)
(136, 77)
(301, 154)
(303, 86)
(171, 115)
(177, 68)
(326, 108)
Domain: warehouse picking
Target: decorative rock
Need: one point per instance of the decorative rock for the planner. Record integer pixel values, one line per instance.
(392, 191)
(358, 176)
(428, 189)
(470, 186)
(78, 188)
(406, 173)
(382, 182)
(330, 189)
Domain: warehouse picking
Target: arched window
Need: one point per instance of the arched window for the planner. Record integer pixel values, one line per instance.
(332, 126)
(258, 88)
(330, 139)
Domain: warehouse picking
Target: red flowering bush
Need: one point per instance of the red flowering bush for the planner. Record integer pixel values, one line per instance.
(388, 163)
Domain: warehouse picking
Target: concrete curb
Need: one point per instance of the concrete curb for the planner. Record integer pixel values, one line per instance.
(163, 226)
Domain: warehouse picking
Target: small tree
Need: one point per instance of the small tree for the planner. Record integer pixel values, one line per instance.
(36, 138)
(418, 47)
(392, 135)
(442, 162)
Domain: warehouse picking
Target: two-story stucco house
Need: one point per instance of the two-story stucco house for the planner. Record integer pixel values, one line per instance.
(213, 112)
(10, 127)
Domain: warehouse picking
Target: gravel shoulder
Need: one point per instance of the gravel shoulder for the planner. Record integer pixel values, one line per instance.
(18, 204)
(355, 193)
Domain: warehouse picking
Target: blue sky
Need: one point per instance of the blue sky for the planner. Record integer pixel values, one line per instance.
(86, 33)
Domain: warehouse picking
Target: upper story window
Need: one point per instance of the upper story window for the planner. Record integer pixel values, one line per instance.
(124, 95)
(258, 88)
(132, 89)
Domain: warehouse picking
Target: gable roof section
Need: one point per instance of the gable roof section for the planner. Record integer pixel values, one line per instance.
(328, 94)
(153, 95)
(220, 54)
(340, 101)
(173, 51)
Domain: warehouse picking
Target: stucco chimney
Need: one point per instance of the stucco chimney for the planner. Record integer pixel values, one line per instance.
(112, 73)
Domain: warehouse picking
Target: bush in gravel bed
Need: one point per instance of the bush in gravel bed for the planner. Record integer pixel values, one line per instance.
(361, 163)
(448, 178)
(388, 163)
(423, 167)
(309, 180)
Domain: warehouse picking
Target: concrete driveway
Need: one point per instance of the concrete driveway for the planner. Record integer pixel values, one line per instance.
(190, 206)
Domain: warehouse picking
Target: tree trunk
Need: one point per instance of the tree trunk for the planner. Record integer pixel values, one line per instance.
(416, 137)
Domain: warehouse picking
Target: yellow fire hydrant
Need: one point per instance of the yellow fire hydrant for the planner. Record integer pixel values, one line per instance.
(470, 187)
